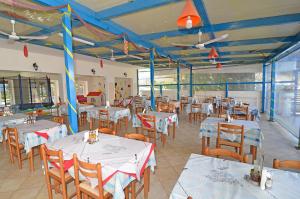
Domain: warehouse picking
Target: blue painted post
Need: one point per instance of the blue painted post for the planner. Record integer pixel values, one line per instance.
(69, 64)
(191, 81)
(160, 90)
(137, 80)
(226, 89)
(272, 104)
(152, 79)
(263, 91)
(178, 82)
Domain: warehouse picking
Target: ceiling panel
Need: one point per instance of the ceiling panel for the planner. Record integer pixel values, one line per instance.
(153, 20)
(192, 51)
(49, 18)
(98, 51)
(284, 30)
(98, 5)
(84, 32)
(220, 11)
(252, 47)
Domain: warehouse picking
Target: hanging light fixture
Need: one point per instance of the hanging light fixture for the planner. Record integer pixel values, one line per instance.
(189, 17)
(219, 66)
(213, 53)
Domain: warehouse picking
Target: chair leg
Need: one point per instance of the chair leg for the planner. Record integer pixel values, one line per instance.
(48, 182)
(19, 159)
(174, 130)
(64, 191)
(146, 182)
(31, 160)
(133, 191)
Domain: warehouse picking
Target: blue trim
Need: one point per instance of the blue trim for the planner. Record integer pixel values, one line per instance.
(251, 23)
(71, 89)
(130, 7)
(152, 78)
(273, 85)
(191, 81)
(263, 92)
(178, 82)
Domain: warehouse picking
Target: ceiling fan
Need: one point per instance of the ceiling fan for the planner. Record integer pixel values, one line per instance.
(200, 45)
(213, 62)
(13, 35)
(113, 58)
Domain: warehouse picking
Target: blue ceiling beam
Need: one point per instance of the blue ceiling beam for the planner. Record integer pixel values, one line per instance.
(240, 43)
(131, 7)
(250, 23)
(283, 48)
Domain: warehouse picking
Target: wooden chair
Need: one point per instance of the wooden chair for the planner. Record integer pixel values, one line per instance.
(137, 136)
(240, 112)
(225, 153)
(83, 118)
(16, 149)
(89, 171)
(105, 125)
(183, 102)
(139, 109)
(57, 173)
(231, 130)
(151, 130)
(58, 119)
(195, 114)
(286, 164)
(132, 187)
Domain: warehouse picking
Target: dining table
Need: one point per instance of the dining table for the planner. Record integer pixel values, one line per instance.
(63, 109)
(206, 108)
(18, 118)
(122, 160)
(115, 114)
(253, 135)
(163, 122)
(205, 177)
(37, 133)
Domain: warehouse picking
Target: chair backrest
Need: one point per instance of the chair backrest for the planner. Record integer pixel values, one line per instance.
(225, 153)
(240, 112)
(139, 109)
(231, 131)
(136, 136)
(116, 102)
(286, 164)
(150, 120)
(55, 158)
(184, 99)
(196, 106)
(172, 108)
(107, 131)
(13, 137)
(58, 119)
(163, 107)
(104, 118)
(88, 170)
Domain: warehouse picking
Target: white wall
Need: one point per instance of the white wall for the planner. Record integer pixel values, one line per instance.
(52, 61)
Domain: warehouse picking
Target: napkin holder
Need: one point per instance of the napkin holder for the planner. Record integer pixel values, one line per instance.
(91, 137)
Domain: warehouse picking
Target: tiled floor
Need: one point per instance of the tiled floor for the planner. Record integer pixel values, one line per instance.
(22, 184)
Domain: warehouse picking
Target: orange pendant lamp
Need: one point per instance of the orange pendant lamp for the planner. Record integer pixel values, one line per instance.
(189, 17)
(213, 53)
(219, 66)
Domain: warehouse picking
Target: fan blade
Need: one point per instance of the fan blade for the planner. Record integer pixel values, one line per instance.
(33, 37)
(135, 57)
(80, 40)
(216, 39)
(183, 45)
(4, 33)
(120, 57)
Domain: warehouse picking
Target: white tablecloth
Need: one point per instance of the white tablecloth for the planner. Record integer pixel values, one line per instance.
(252, 136)
(115, 113)
(80, 108)
(122, 159)
(206, 108)
(28, 137)
(212, 178)
(18, 118)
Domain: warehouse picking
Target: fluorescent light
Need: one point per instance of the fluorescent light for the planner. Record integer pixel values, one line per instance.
(80, 40)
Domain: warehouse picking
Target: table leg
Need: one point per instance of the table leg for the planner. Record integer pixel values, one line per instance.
(174, 130)
(91, 123)
(203, 144)
(146, 182)
(164, 138)
(208, 141)
(253, 150)
(31, 161)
